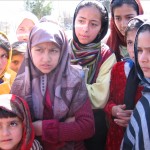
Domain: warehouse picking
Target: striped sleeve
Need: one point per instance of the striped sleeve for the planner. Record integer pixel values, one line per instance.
(137, 135)
(36, 145)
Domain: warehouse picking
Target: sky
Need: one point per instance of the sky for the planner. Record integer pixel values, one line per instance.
(9, 8)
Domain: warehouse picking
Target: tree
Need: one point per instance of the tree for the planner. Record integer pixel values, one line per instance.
(39, 7)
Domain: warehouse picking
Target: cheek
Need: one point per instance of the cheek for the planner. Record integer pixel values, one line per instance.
(35, 58)
(5, 64)
(117, 24)
(77, 30)
(18, 133)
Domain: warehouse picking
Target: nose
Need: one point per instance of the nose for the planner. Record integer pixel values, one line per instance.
(124, 23)
(143, 57)
(46, 57)
(85, 27)
(5, 131)
(25, 37)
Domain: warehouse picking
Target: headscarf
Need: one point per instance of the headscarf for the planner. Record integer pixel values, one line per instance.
(89, 54)
(116, 38)
(6, 46)
(138, 68)
(19, 19)
(19, 107)
(66, 87)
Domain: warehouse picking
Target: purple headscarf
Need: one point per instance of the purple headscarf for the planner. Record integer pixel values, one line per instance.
(65, 85)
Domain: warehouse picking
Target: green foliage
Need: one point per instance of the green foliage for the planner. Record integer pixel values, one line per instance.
(39, 7)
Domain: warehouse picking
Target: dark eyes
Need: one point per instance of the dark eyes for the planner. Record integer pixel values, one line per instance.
(13, 124)
(15, 62)
(4, 56)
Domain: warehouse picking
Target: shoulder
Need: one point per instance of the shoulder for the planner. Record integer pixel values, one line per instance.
(106, 52)
(11, 73)
(18, 83)
(105, 49)
(36, 145)
(76, 71)
(119, 65)
(118, 69)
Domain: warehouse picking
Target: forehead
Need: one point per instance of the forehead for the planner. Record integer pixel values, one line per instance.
(26, 22)
(2, 50)
(86, 12)
(7, 120)
(49, 44)
(124, 10)
(131, 33)
(144, 38)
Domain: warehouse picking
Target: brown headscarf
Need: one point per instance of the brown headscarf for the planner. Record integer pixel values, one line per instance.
(116, 38)
(66, 87)
(19, 107)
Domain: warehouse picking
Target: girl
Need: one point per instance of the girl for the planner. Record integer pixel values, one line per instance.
(54, 90)
(16, 130)
(23, 24)
(90, 25)
(125, 89)
(18, 52)
(121, 12)
(137, 135)
(7, 76)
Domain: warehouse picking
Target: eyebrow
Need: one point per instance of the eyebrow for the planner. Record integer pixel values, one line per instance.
(90, 20)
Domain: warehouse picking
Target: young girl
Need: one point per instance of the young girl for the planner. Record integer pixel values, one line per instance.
(125, 89)
(18, 51)
(137, 134)
(22, 26)
(90, 25)
(7, 76)
(121, 12)
(16, 130)
(54, 90)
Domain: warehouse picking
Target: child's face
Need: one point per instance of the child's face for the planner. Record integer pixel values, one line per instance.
(130, 42)
(24, 29)
(87, 24)
(10, 133)
(16, 62)
(3, 60)
(122, 15)
(45, 56)
(144, 52)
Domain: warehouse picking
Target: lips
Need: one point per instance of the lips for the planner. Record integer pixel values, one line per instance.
(84, 36)
(145, 69)
(5, 141)
(45, 66)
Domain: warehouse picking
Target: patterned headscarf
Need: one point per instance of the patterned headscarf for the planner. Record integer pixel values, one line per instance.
(66, 87)
(19, 107)
(116, 38)
(5, 44)
(89, 54)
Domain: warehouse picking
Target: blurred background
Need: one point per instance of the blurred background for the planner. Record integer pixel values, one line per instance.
(61, 10)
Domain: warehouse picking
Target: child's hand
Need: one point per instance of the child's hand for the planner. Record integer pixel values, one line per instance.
(123, 118)
(118, 109)
(71, 119)
(38, 127)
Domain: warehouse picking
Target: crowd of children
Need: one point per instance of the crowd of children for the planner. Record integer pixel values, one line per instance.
(80, 93)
